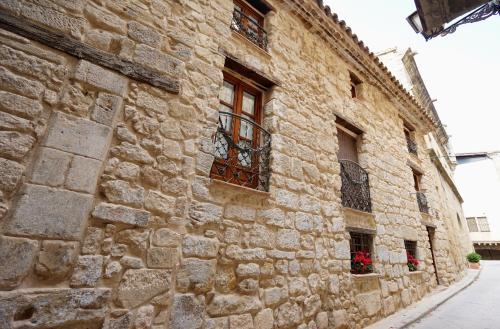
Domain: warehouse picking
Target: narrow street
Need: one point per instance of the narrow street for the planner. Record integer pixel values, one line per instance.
(477, 307)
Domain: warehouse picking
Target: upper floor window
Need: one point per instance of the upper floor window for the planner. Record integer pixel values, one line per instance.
(423, 206)
(355, 85)
(478, 224)
(410, 139)
(248, 20)
(355, 185)
(242, 146)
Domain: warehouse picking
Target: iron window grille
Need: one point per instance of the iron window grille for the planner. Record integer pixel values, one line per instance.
(249, 27)
(361, 242)
(239, 160)
(423, 206)
(355, 186)
(411, 144)
(411, 247)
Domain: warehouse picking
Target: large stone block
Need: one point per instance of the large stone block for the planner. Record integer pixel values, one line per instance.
(143, 34)
(56, 259)
(288, 315)
(196, 274)
(50, 167)
(55, 308)
(140, 285)
(198, 246)
(20, 85)
(121, 214)
(50, 213)
(288, 239)
(157, 60)
(101, 78)
(161, 257)
(78, 136)
(187, 312)
(19, 105)
(264, 319)
(88, 271)
(369, 303)
(15, 145)
(222, 305)
(83, 174)
(10, 174)
(16, 256)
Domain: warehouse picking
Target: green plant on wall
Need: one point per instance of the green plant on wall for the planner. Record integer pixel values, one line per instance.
(473, 257)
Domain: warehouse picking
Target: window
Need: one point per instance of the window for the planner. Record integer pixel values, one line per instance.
(248, 20)
(417, 180)
(423, 206)
(411, 247)
(241, 145)
(410, 138)
(361, 243)
(355, 184)
(478, 224)
(459, 221)
(355, 85)
(483, 224)
(472, 224)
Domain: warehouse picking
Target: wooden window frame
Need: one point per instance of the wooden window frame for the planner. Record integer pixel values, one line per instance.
(240, 87)
(411, 247)
(355, 83)
(417, 180)
(248, 10)
(365, 244)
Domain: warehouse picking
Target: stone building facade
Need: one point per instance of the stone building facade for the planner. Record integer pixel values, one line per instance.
(129, 201)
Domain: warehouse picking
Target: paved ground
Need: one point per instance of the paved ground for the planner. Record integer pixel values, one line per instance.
(477, 307)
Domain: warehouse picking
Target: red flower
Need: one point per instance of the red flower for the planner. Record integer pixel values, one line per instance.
(412, 262)
(361, 263)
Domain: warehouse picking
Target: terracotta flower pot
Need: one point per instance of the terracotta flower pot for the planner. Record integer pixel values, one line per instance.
(474, 266)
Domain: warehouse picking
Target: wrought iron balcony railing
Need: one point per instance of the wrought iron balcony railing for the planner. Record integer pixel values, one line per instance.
(355, 186)
(422, 202)
(242, 151)
(248, 27)
(412, 145)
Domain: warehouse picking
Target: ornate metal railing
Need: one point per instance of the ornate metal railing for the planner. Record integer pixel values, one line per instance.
(247, 26)
(422, 202)
(412, 145)
(355, 186)
(242, 151)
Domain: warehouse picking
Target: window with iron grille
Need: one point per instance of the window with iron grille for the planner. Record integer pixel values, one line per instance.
(472, 224)
(242, 146)
(361, 242)
(248, 20)
(411, 247)
(410, 138)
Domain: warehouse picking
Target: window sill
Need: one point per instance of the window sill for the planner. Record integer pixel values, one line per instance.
(218, 187)
(250, 43)
(366, 276)
(415, 273)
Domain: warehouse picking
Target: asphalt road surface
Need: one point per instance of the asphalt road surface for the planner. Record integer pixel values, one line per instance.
(476, 307)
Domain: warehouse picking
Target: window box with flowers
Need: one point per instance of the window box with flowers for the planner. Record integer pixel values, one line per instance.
(412, 262)
(361, 263)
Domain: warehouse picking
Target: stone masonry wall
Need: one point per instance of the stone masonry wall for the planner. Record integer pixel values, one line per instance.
(109, 218)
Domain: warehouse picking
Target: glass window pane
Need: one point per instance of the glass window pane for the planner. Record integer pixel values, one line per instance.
(248, 103)
(227, 93)
(225, 119)
(246, 129)
(221, 146)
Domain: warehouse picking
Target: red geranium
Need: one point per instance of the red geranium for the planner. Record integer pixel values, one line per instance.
(412, 262)
(362, 263)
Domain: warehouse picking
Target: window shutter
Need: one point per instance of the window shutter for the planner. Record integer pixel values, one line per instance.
(347, 146)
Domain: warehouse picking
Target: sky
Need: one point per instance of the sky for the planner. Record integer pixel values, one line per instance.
(460, 70)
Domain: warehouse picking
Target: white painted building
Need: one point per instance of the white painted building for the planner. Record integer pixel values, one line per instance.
(478, 178)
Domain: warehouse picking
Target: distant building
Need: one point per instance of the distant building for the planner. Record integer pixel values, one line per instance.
(478, 176)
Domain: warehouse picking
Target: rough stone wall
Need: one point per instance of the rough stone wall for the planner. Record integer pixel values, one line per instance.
(108, 211)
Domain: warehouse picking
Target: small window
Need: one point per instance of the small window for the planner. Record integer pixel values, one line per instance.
(482, 222)
(361, 253)
(472, 224)
(355, 85)
(248, 20)
(417, 180)
(411, 248)
(410, 138)
(459, 221)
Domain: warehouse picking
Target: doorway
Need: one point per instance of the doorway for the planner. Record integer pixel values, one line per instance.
(430, 233)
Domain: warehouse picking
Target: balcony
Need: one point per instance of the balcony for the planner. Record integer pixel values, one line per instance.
(242, 150)
(249, 28)
(422, 202)
(412, 146)
(355, 186)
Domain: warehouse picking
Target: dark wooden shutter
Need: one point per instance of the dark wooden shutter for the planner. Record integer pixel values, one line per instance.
(347, 146)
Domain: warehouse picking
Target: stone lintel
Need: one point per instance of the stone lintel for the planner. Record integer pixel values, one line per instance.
(359, 221)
